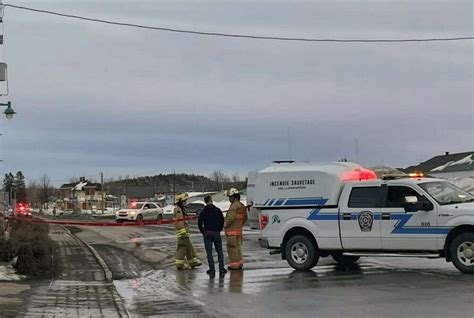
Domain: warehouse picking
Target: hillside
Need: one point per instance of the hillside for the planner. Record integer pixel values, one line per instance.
(147, 186)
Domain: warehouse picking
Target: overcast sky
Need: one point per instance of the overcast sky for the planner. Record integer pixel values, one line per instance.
(92, 97)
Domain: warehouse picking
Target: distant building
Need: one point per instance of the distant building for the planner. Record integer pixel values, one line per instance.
(82, 195)
(457, 168)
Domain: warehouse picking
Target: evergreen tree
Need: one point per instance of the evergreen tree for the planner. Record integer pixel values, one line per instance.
(20, 187)
(8, 182)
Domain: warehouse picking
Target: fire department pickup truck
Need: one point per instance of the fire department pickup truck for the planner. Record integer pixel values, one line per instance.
(307, 211)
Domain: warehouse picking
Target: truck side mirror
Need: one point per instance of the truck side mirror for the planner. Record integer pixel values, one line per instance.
(411, 204)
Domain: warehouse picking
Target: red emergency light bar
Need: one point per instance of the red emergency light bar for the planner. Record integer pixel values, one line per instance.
(359, 174)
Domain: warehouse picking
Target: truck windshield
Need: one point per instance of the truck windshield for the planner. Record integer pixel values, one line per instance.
(446, 193)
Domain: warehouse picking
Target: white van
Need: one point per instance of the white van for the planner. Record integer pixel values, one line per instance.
(312, 210)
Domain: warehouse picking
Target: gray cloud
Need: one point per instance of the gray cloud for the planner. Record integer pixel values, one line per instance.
(96, 98)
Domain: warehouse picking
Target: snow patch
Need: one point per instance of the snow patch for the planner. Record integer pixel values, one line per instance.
(441, 168)
(79, 186)
(7, 273)
(466, 160)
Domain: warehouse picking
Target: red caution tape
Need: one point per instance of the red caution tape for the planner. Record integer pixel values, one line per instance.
(79, 223)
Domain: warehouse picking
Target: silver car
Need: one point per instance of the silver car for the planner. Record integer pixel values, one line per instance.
(140, 211)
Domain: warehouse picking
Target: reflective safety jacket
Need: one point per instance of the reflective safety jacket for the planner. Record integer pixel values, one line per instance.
(235, 219)
(181, 225)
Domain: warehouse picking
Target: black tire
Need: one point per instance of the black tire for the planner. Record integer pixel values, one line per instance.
(139, 218)
(462, 252)
(159, 217)
(344, 260)
(308, 257)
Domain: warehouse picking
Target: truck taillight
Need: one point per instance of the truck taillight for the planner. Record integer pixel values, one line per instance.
(262, 221)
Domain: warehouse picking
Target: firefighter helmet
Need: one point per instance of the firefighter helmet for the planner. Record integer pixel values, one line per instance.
(181, 197)
(231, 192)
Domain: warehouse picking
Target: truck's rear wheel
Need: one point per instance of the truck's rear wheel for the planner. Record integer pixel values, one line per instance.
(462, 252)
(344, 260)
(301, 253)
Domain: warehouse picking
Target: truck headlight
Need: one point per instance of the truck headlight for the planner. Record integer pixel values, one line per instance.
(132, 212)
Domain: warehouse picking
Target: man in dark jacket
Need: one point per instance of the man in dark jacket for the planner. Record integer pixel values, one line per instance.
(211, 223)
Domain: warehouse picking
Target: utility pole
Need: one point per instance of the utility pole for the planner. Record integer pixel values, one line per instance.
(102, 188)
(174, 187)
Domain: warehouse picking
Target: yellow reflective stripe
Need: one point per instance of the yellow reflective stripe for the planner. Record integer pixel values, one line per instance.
(181, 232)
(179, 261)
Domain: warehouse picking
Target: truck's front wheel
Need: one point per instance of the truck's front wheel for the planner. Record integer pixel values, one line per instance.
(301, 253)
(462, 252)
(344, 260)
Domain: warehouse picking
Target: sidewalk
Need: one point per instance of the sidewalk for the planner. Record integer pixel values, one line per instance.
(81, 288)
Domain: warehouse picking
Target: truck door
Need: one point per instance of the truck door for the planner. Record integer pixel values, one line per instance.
(406, 230)
(359, 219)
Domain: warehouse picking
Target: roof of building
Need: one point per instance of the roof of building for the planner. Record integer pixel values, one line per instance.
(455, 162)
(80, 185)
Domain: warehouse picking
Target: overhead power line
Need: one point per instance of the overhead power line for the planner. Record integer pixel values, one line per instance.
(245, 36)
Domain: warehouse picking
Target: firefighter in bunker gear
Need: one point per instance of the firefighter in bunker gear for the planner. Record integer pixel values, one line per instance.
(184, 250)
(234, 221)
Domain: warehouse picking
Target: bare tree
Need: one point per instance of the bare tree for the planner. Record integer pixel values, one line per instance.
(217, 176)
(44, 184)
(73, 179)
(236, 177)
(110, 180)
(34, 194)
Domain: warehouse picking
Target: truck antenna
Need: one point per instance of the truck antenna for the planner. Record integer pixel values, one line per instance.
(289, 144)
(357, 150)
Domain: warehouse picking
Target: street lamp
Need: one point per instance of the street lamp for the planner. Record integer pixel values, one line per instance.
(9, 112)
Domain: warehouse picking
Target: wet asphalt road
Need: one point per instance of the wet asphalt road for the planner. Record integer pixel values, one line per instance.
(141, 260)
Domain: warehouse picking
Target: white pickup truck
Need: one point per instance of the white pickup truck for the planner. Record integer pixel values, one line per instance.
(307, 211)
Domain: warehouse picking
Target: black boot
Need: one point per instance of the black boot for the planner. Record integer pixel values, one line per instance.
(211, 272)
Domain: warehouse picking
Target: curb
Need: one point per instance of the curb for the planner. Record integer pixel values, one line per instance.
(105, 268)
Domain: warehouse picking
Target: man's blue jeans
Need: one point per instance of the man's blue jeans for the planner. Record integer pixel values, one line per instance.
(209, 238)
